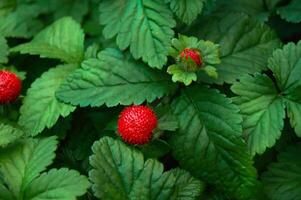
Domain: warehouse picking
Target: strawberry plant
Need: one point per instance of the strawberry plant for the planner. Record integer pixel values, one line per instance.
(150, 99)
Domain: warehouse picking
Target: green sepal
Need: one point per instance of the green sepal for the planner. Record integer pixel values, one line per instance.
(185, 70)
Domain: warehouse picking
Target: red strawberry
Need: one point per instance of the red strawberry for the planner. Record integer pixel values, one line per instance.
(193, 54)
(136, 124)
(10, 87)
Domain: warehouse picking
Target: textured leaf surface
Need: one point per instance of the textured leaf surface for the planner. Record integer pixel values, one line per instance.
(64, 40)
(143, 25)
(3, 50)
(121, 173)
(245, 44)
(40, 108)
(209, 142)
(262, 110)
(8, 134)
(62, 184)
(291, 12)
(113, 79)
(286, 66)
(186, 10)
(282, 181)
(22, 162)
(187, 187)
(293, 104)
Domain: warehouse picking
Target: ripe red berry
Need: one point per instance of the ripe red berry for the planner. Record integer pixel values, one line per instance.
(10, 87)
(136, 124)
(193, 54)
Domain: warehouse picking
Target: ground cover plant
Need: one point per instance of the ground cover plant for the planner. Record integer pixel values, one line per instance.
(150, 99)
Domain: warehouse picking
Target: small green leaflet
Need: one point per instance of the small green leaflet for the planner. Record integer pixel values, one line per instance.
(262, 110)
(286, 66)
(291, 12)
(186, 10)
(40, 107)
(3, 49)
(64, 40)
(21, 165)
(293, 104)
(145, 26)
(121, 173)
(282, 180)
(209, 142)
(106, 80)
(63, 184)
(245, 44)
(9, 134)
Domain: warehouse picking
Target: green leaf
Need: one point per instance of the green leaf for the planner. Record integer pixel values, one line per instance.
(245, 44)
(209, 142)
(120, 172)
(179, 74)
(60, 184)
(6, 6)
(262, 109)
(286, 66)
(282, 181)
(5, 194)
(22, 22)
(40, 107)
(22, 162)
(186, 10)
(3, 50)
(143, 25)
(254, 8)
(293, 104)
(64, 40)
(9, 134)
(107, 80)
(187, 187)
(291, 12)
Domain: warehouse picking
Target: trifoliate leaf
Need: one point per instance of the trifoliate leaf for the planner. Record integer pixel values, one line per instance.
(3, 50)
(209, 142)
(293, 104)
(40, 108)
(291, 12)
(187, 187)
(186, 10)
(282, 180)
(120, 172)
(245, 44)
(113, 79)
(8, 134)
(60, 184)
(64, 40)
(143, 25)
(286, 66)
(23, 161)
(167, 121)
(262, 109)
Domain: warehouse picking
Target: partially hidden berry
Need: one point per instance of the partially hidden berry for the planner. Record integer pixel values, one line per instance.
(136, 124)
(10, 87)
(192, 54)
